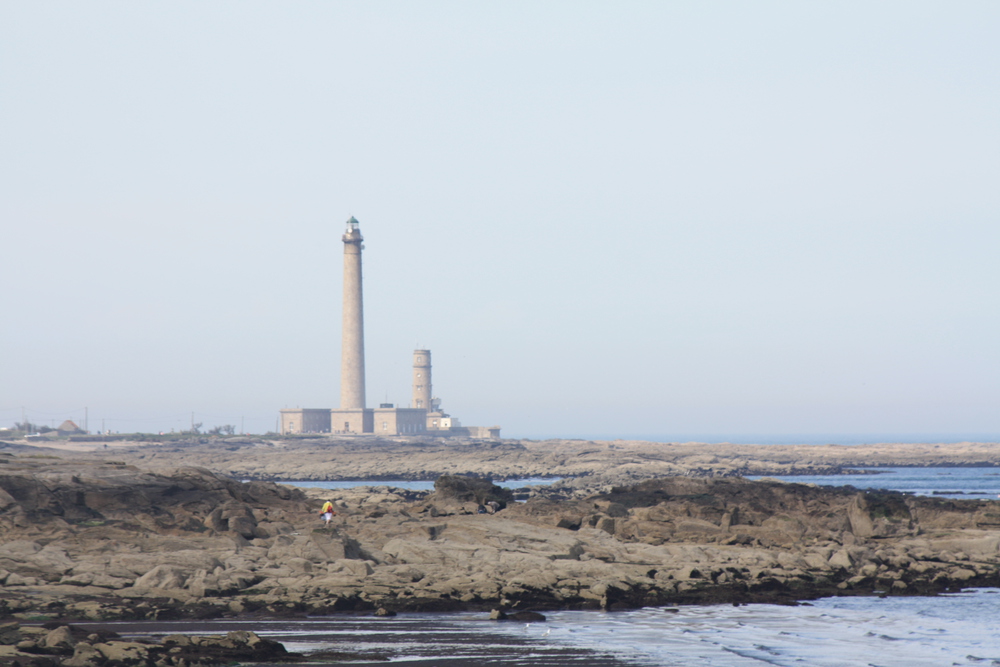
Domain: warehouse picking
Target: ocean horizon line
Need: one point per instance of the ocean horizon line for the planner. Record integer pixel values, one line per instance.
(780, 439)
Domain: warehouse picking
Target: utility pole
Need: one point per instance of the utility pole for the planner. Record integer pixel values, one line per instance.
(242, 430)
(86, 420)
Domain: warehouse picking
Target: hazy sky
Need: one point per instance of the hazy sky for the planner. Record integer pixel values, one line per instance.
(628, 218)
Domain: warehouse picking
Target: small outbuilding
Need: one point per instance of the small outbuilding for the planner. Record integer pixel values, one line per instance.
(69, 428)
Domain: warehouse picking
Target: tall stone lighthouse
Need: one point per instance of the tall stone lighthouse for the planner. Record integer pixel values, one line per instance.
(424, 417)
(352, 352)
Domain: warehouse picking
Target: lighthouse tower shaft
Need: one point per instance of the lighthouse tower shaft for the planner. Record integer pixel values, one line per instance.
(352, 360)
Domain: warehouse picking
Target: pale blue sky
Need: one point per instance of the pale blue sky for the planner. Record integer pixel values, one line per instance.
(603, 218)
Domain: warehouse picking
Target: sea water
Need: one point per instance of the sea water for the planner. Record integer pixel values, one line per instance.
(414, 486)
(945, 482)
(953, 629)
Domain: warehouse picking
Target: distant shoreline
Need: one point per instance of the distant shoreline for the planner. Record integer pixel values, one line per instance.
(579, 462)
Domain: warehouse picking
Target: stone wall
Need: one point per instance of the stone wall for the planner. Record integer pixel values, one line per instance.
(399, 421)
(305, 420)
(352, 421)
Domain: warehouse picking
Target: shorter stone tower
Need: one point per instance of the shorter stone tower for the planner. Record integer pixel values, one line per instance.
(422, 379)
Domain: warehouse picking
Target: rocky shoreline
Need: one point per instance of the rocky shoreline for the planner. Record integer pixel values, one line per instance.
(57, 645)
(92, 538)
(421, 458)
(107, 540)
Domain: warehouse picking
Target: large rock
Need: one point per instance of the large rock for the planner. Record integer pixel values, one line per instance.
(85, 655)
(162, 576)
(187, 560)
(59, 638)
(19, 550)
(10, 633)
(470, 490)
(52, 561)
(94, 493)
(6, 500)
(315, 548)
(123, 653)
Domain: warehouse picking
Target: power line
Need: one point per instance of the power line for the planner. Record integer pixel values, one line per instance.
(53, 414)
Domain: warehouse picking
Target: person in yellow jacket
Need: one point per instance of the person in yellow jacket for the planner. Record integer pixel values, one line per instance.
(327, 512)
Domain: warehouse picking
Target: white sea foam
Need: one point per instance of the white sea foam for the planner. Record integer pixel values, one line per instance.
(957, 629)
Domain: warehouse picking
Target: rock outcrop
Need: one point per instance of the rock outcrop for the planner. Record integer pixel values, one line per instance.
(427, 458)
(454, 489)
(92, 540)
(68, 646)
